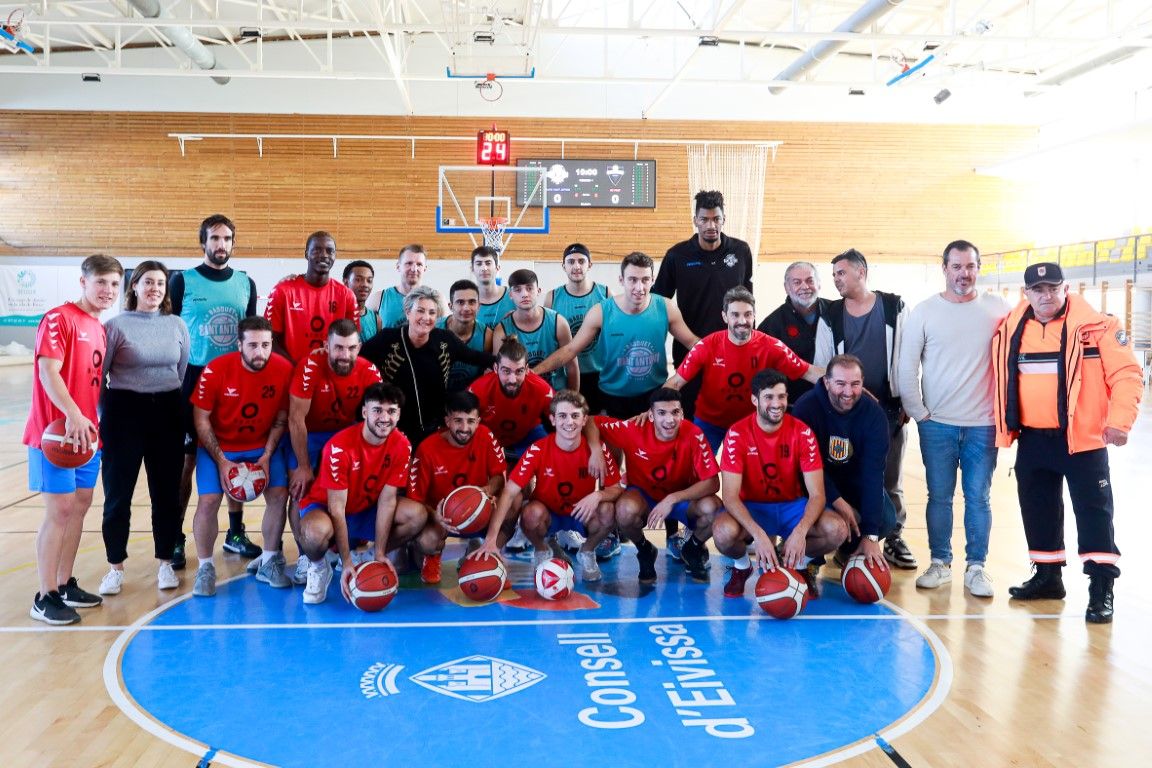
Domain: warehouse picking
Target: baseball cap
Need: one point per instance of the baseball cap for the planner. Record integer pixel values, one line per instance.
(1044, 272)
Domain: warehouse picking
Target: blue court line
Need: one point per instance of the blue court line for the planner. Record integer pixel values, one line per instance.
(893, 755)
(206, 761)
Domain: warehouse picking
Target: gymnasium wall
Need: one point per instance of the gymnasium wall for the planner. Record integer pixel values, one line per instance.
(77, 183)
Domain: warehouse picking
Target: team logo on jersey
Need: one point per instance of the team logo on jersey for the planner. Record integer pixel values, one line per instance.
(642, 454)
(231, 392)
(220, 326)
(718, 362)
(839, 449)
(440, 470)
(355, 465)
(730, 260)
(296, 307)
(84, 337)
(640, 358)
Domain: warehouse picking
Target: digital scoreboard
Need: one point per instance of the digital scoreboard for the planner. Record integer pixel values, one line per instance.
(493, 147)
(593, 183)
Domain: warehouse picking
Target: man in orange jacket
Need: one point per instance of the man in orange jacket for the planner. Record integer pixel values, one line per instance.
(1067, 386)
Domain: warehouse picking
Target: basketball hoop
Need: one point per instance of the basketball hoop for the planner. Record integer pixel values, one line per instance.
(15, 22)
(493, 230)
(488, 88)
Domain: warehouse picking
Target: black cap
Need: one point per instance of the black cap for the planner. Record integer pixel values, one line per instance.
(1045, 272)
(577, 248)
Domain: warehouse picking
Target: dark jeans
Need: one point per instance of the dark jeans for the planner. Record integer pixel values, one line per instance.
(148, 429)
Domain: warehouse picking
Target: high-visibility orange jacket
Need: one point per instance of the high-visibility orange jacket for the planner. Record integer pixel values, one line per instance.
(1104, 383)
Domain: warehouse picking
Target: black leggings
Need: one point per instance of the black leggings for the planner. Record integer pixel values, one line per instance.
(141, 428)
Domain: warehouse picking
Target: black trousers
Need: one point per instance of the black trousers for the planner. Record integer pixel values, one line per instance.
(148, 429)
(1043, 465)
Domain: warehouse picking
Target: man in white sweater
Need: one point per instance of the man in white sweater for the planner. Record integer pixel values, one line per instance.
(946, 385)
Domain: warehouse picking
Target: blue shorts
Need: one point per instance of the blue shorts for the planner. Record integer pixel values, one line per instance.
(208, 474)
(777, 518)
(712, 433)
(565, 523)
(513, 453)
(361, 525)
(679, 511)
(46, 477)
(316, 443)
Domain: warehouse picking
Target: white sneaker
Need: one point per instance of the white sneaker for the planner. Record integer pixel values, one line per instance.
(937, 575)
(541, 556)
(570, 541)
(319, 577)
(112, 582)
(360, 556)
(589, 568)
(977, 581)
(166, 578)
(518, 543)
(300, 575)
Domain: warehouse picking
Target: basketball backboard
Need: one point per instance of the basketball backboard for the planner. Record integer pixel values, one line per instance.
(494, 202)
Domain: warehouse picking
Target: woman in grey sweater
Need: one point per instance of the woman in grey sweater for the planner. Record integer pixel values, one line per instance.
(141, 422)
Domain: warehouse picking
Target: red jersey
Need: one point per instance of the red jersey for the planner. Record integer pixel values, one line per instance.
(657, 467)
(71, 335)
(303, 312)
(562, 477)
(350, 463)
(770, 465)
(726, 389)
(335, 399)
(512, 419)
(440, 466)
(243, 403)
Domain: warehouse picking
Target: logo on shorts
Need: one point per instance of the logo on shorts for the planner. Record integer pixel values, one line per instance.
(476, 678)
(839, 449)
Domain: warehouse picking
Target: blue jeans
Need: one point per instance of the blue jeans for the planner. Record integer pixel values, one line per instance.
(973, 450)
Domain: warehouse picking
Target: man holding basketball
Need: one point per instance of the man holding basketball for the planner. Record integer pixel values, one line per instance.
(463, 453)
(565, 496)
(69, 357)
(357, 494)
(773, 486)
(240, 408)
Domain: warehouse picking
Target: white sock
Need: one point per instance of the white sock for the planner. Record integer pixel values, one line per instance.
(205, 560)
(743, 563)
(265, 556)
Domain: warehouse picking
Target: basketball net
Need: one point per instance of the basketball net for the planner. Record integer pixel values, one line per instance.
(493, 230)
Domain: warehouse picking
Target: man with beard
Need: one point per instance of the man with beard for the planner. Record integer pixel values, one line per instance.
(357, 494)
(463, 304)
(240, 408)
(773, 482)
(324, 397)
(514, 402)
(359, 277)
(411, 265)
(211, 300)
(795, 321)
(573, 300)
(463, 453)
(301, 308)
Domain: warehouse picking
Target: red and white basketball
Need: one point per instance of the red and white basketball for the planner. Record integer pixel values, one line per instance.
(483, 578)
(466, 511)
(782, 593)
(374, 586)
(555, 579)
(61, 453)
(246, 481)
(864, 583)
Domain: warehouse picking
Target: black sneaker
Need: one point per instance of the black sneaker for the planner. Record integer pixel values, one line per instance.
(695, 557)
(237, 543)
(646, 554)
(75, 597)
(179, 559)
(50, 609)
(898, 553)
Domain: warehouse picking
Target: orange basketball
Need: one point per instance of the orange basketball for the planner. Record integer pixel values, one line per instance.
(865, 583)
(483, 578)
(466, 511)
(374, 586)
(60, 453)
(782, 593)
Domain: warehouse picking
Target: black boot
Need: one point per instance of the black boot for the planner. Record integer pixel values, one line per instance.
(1045, 584)
(1099, 600)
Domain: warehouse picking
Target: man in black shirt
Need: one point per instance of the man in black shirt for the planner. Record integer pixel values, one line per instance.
(794, 322)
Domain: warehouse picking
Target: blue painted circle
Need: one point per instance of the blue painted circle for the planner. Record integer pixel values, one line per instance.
(663, 676)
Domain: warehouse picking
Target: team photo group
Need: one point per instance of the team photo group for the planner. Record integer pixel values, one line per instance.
(362, 400)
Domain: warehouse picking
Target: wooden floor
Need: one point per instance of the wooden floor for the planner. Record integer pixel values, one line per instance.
(1033, 684)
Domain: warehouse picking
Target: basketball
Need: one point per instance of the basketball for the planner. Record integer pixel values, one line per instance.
(246, 481)
(58, 452)
(466, 511)
(374, 586)
(863, 583)
(782, 593)
(555, 579)
(483, 578)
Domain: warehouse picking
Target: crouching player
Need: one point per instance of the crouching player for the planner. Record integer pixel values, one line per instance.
(565, 496)
(465, 452)
(671, 475)
(773, 480)
(356, 493)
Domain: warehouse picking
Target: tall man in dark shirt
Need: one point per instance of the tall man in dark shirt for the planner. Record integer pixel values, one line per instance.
(795, 321)
(698, 272)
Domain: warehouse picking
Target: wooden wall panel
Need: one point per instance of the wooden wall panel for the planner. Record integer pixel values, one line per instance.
(76, 183)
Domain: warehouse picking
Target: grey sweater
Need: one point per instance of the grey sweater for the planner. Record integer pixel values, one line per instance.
(147, 352)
